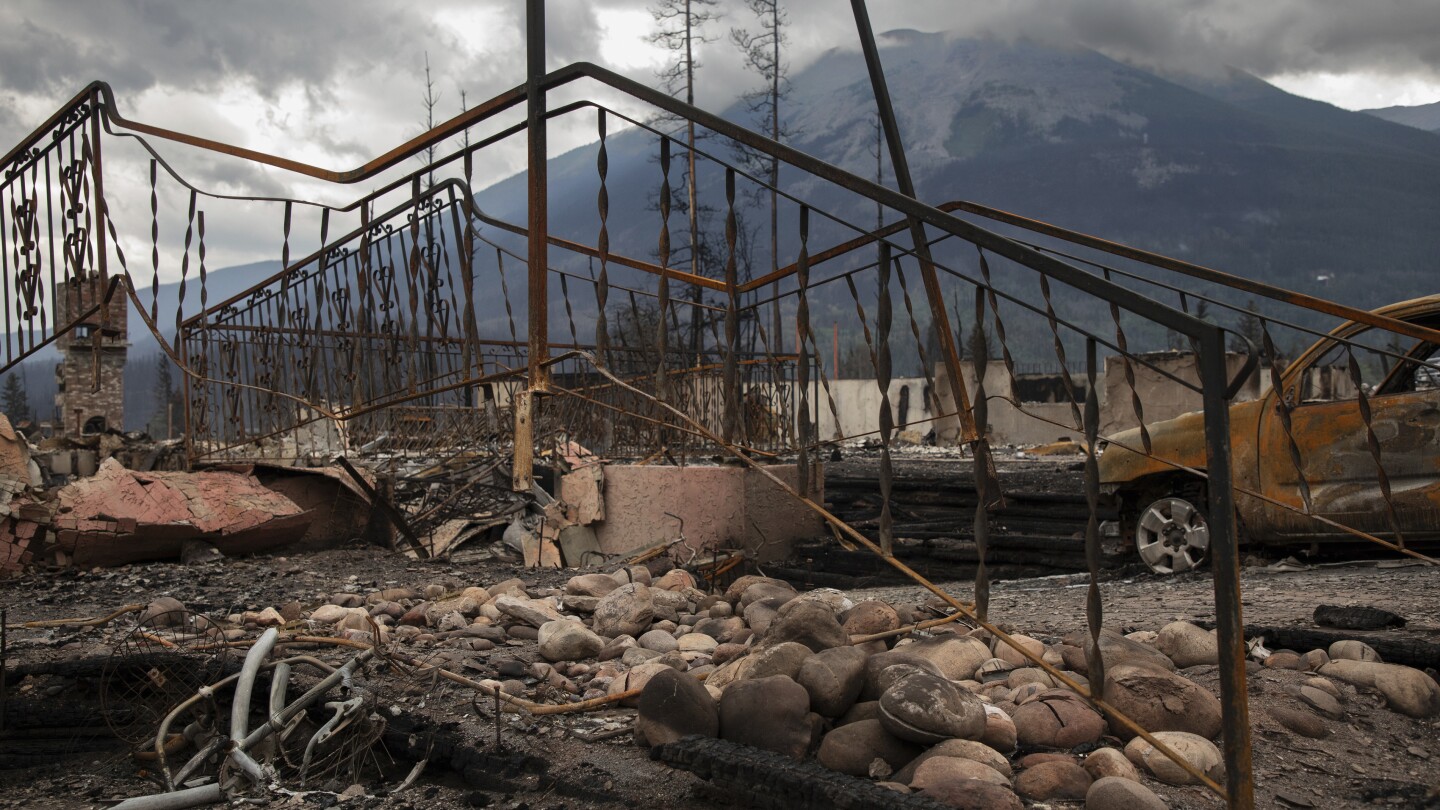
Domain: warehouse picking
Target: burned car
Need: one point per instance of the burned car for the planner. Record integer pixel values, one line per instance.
(1326, 474)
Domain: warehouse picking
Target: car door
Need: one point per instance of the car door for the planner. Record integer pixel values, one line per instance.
(1333, 439)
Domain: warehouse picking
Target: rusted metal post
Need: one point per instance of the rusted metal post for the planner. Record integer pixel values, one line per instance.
(97, 168)
(523, 471)
(4, 659)
(732, 393)
(1225, 568)
(939, 318)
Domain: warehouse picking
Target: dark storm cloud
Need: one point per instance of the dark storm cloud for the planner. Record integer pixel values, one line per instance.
(1278, 36)
(1399, 37)
(52, 48)
(49, 47)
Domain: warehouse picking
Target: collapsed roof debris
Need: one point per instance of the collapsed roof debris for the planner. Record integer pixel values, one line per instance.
(120, 516)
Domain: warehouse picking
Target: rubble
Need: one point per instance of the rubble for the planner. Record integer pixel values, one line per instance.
(936, 713)
(120, 515)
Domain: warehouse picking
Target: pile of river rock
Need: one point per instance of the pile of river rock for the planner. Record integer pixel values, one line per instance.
(950, 713)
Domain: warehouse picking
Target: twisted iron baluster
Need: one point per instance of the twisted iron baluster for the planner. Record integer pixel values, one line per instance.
(802, 371)
(981, 407)
(1094, 615)
(284, 316)
(1123, 345)
(999, 322)
(602, 245)
(505, 292)
(155, 244)
(663, 292)
(825, 387)
(49, 234)
(1362, 402)
(569, 310)
(1060, 350)
(887, 420)
(185, 265)
(1283, 408)
(932, 394)
(732, 392)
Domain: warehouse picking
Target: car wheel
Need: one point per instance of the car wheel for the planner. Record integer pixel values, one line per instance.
(1172, 535)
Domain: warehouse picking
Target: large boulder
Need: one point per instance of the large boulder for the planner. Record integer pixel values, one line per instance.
(808, 622)
(1057, 718)
(973, 794)
(636, 678)
(591, 585)
(1103, 762)
(167, 611)
(1115, 649)
(1407, 690)
(1188, 645)
(957, 657)
(760, 614)
(770, 713)
(1000, 732)
(926, 708)
(721, 629)
(1053, 781)
(1161, 701)
(876, 665)
(696, 643)
(781, 659)
(964, 749)
(870, 617)
(775, 589)
(657, 640)
(833, 678)
(625, 611)
(829, 598)
(533, 612)
(739, 586)
(1010, 655)
(1352, 650)
(1198, 751)
(568, 641)
(851, 748)
(1299, 721)
(676, 579)
(941, 770)
(1118, 793)
(330, 614)
(675, 705)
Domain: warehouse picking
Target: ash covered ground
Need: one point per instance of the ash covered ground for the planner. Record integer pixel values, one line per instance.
(1368, 755)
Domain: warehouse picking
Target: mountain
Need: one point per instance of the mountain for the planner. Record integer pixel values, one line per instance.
(1420, 116)
(1227, 171)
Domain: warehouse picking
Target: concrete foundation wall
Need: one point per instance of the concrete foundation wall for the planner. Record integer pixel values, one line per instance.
(858, 404)
(1006, 424)
(723, 507)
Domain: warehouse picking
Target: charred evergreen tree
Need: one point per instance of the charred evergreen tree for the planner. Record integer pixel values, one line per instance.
(681, 29)
(429, 101)
(761, 49)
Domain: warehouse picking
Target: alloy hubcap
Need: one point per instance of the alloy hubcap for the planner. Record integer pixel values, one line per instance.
(1172, 536)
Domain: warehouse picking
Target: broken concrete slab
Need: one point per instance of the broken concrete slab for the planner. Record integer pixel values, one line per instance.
(722, 506)
(120, 516)
(340, 509)
(583, 492)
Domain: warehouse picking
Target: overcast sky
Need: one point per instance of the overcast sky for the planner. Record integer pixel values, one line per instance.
(337, 83)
